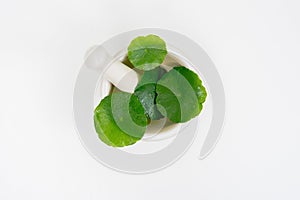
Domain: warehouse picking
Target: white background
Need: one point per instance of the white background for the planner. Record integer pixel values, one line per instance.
(255, 46)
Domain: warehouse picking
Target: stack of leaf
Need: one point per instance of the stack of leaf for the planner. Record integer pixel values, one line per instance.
(121, 118)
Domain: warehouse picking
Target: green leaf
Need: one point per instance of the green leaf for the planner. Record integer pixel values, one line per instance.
(180, 94)
(119, 119)
(147, 52)
(146, 92)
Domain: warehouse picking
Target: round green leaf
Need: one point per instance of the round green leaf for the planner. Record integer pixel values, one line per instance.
(180, 94)
(147, 52)
(146, 92)
(119, 119)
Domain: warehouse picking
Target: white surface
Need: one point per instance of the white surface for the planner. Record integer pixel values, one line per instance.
(255, 46)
